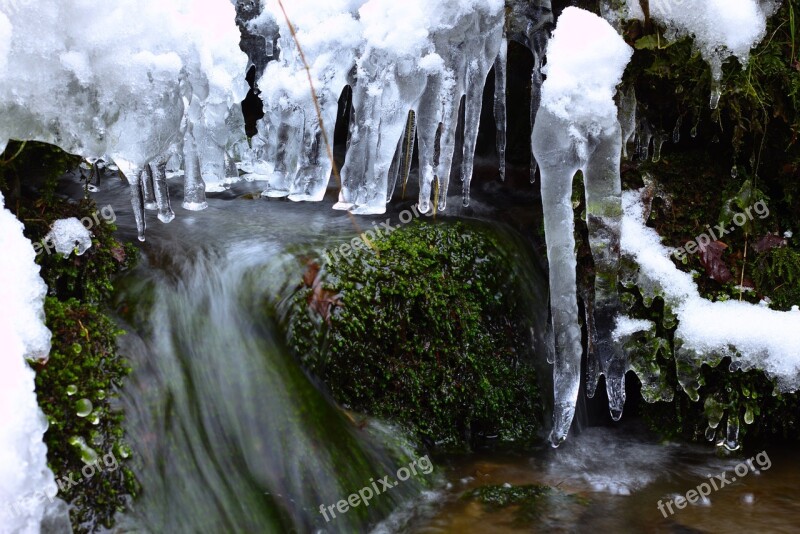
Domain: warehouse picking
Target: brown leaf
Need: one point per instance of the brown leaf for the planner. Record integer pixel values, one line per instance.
(118, 253)
(310, 276)
(711, 258)
(768, 242)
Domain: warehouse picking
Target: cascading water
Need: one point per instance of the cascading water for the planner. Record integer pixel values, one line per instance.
(163, 86)
(231, 431)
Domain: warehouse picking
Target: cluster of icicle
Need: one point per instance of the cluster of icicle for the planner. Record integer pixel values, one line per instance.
(160, 91)
(409, 65)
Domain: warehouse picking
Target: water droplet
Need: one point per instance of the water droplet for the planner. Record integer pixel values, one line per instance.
(100, 395)
(88, 454)
(748, 416)
(83, 407)
(76, 348)
(734, 172)
(124, 451)
(72, 389)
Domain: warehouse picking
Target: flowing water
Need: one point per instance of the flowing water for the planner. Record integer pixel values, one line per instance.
(231, 435)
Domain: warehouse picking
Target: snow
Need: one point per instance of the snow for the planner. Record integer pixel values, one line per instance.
(585, 62)
(23, 455)
(753, 335)
(68, 236)
(627, 326)
(720, 28)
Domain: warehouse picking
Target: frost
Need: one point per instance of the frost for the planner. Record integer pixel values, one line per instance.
(68, 236)
(23, 455)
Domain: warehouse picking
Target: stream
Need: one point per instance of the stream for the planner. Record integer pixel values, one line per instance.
(230, 434)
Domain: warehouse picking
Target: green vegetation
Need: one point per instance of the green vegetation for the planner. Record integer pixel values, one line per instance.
(428, 330)
(78, 385)
(725, 161)
(530, 504)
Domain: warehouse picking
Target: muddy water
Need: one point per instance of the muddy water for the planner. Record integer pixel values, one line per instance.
(617, 476)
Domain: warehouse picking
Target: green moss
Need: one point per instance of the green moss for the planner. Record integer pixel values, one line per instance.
(426, 330)
(531, 504)
(84, 366)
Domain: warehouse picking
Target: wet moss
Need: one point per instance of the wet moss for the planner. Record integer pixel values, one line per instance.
(531, 504)
(78, 385)
(426, 329)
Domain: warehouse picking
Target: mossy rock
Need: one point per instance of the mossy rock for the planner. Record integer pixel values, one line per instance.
(427, 328)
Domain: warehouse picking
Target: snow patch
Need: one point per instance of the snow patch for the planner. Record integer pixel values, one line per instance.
(23, 455)
(753, 335)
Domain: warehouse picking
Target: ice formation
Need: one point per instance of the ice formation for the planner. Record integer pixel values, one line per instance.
(68, 236)
(753, 336)
(23, 455)
(576, 129)
(720, 28)
(409, 65)
(124, 92)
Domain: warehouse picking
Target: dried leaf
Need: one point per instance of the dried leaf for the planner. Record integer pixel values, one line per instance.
(768, 242)
(711, 258)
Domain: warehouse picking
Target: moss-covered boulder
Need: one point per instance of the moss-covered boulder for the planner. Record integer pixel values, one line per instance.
(425, 327)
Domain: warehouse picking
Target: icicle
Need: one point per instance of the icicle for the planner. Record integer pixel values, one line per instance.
(676, 133)
(194, 188)
(148, 189)
(477, 70)
(714, 411)
(716, 82)
(500, 82)
(658, 142)
(536, 100)
(401, 164)
(563, 145)
(158, 170)
(627, 117)
(644, 138)
(135, 177)
(732, 433)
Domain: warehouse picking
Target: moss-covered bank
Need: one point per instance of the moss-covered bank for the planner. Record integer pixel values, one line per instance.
(427, 328)
(77, 385)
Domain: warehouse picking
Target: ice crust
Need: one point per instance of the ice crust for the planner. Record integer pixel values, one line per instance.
(23, 455)
(117, 79)
(409, 64)
(68, 236)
